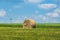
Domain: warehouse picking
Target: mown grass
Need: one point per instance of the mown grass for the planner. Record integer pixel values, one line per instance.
(40, 33)
(30, 34)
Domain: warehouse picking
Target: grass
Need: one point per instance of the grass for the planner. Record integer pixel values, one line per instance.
(48, 25)
(39, 25)
(42, 32)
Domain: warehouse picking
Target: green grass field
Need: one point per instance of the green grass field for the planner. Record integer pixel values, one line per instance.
(42, 32)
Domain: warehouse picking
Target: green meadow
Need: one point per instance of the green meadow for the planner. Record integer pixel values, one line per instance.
(46, 31)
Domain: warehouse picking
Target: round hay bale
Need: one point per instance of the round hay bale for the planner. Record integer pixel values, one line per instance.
(29, 23)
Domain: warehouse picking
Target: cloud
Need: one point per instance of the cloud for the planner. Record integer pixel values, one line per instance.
(41, 17)
(55, 13)
(18, 20)
(2, 13)
(52, 14)
(33, 1)
(48, 17)
(44, 18)
(57, 10)
(47, 6)
(27, 17)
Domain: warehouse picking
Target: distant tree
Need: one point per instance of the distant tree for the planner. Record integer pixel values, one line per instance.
(11, 20)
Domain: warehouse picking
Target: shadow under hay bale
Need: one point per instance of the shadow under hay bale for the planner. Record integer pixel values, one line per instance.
(29, 23)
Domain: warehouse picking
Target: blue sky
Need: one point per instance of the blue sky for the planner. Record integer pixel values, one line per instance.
(43, 11)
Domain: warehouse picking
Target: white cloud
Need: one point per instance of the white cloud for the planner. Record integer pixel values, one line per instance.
(40, 16)
(44, 18)
(53, 14)
(25, 17)
(33, 1)
(57, 10)
(37, 16)
(2, 13)
(47, 6)
(28, 17)
(17, 21)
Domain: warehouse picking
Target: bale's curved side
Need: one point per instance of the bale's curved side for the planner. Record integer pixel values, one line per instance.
(29, 23)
